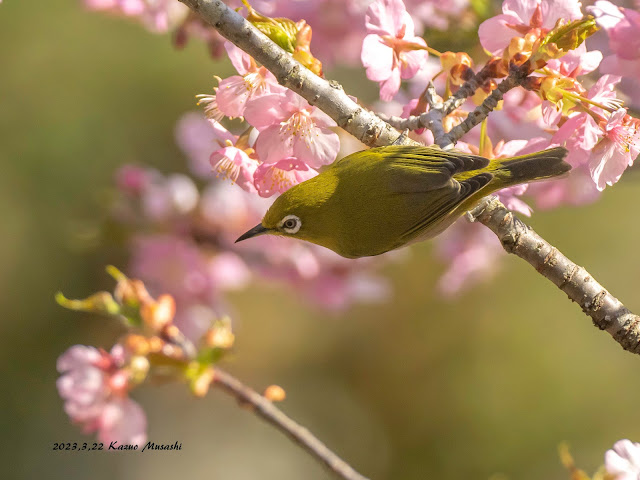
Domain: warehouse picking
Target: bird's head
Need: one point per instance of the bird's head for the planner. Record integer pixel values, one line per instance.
(301, 212)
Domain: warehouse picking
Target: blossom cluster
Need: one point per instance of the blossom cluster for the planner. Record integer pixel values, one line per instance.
(337, 24)
(96, 385)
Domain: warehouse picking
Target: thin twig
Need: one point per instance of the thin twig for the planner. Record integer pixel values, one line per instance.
(414, 122)
(266, 410)
(371, 130)
(481, 112)
(469, 87)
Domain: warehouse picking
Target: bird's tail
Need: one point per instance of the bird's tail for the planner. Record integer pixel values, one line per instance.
(529, 168)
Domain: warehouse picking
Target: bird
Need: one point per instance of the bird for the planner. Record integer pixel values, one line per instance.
(384, 198)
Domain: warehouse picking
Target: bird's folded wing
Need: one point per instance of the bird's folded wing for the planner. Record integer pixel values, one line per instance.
(444, 201)
(421, 169)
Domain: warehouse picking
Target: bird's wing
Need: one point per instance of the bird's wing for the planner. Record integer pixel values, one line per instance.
(420, 169)
(446, 202)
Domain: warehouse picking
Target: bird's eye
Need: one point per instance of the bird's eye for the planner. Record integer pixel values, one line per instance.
(291, 224)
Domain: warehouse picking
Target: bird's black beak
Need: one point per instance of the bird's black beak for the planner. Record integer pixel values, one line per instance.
(254, 232)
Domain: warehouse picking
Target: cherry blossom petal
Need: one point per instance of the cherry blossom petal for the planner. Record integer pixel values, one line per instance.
(623, 460)
(77, 355)
(552, 10)
(266, 111)
(232, 96)
(317, 147)
(273, 145)
(607, 164)
(377, 58)
(412, 61)
(390, 87)
(388, 17)
(197, 137)
(281, 176)
(241, 60)
(234, 164)
(624, 38)
(577, 61)
(123, 421)
(321, 119)
(618, 66)
(229, 271)
(520, 9)
(495, 34)
(606, 13)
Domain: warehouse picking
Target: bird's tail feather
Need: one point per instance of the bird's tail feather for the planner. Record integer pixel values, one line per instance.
(529, 168)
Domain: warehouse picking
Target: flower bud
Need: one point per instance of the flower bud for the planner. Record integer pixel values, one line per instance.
(220, 335)
(563, 38)
(157, 315)
(292, 37)
(137, 344)
(275, 393)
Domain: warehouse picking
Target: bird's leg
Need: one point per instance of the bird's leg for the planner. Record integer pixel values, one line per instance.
(400, 140)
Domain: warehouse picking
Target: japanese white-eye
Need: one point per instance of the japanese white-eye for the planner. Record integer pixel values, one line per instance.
(384, 198)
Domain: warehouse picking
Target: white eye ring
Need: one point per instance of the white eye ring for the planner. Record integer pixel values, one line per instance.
(290, 224)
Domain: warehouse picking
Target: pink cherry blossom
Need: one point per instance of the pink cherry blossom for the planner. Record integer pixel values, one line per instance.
(435, 13)
(576, 62)
(337, 26)
(290, 127)
(173, 264)
(234, 163)
(623, 28)
(623, 460)
(253, 82)
(132, 179)
(229, 271)
(229, 211)
(198, 137)
(281, 176)
(157, 15)
(165, 197)
(472, 253)
(577, 188)
(123, 422)
(337, 289)
(580, 133)
(391, 51)
(520, 17)
(616, 151)
(94, 389)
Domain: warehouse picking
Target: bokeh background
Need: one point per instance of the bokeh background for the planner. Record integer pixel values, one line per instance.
(486, 384)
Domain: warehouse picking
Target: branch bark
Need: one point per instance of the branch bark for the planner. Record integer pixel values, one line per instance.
(266, 410)
(606, 311)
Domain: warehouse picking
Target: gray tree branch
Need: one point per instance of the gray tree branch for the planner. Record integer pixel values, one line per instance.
(606, 311)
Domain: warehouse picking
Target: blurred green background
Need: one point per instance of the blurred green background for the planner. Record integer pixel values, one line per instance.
(487, 384)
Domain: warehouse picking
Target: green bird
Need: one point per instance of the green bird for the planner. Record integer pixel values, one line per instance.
(384, 198)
